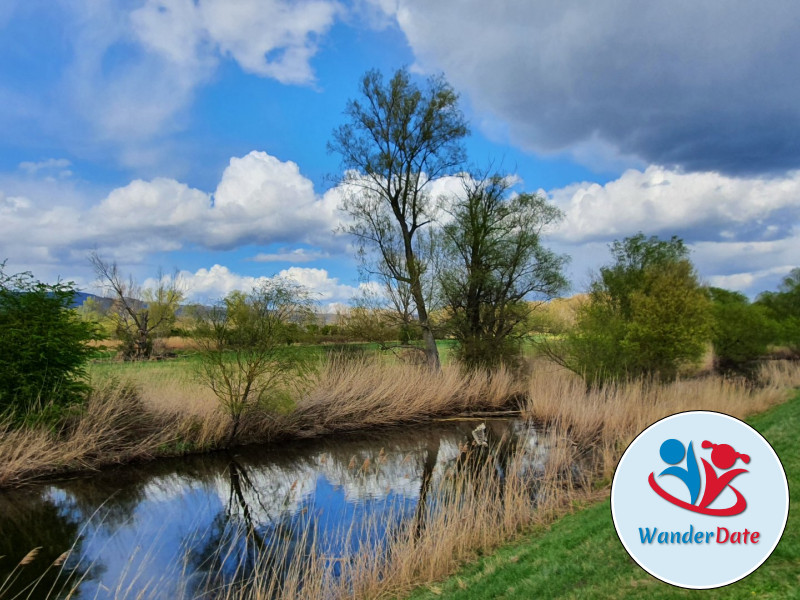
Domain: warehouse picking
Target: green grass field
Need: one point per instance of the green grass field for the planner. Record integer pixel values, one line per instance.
(580, 555)
(104, 365)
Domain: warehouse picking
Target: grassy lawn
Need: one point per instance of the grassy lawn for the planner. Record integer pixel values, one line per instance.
(581, 557)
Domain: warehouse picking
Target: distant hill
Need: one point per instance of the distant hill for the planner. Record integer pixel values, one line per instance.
(81, 297)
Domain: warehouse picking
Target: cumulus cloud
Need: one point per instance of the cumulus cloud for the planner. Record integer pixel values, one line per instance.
(134, 69)
(259, 200)
(218, 281)
(707, 206)
(707, 86)
(743, 232)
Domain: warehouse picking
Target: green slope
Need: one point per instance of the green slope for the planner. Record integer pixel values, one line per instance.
(581, 557)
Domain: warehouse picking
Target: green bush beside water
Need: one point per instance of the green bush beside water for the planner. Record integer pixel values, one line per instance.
(44, 348)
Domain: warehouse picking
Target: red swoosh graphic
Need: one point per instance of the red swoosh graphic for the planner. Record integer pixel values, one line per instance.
(737, 508)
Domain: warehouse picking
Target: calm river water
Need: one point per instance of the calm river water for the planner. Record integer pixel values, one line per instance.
(156, 530)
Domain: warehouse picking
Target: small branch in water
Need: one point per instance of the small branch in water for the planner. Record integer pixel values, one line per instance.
(471, 416)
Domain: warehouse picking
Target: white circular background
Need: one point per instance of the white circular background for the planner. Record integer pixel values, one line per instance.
(635, 505)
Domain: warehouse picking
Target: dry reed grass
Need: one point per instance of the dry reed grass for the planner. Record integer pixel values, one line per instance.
(114, 428)
(473, 509)
(159, 413)
(367, 393)
(476, 512)
(609, 418)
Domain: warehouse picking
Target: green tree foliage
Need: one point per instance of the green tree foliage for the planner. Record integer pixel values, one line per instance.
(95, 311)
(647, 315)
(139, 315)
(43, 346)
(740, 333)
(398, 138)
(494, 261)
(784, 307)
(245, 357)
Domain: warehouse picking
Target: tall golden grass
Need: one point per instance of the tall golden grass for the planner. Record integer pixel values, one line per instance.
(476, 512)
(609, 418)
(474, 509)
(160, 414)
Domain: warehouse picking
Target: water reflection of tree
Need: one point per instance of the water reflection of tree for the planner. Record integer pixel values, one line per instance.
(426, 478)
(110, 498)
(33, 520)
(238, 546)
(263, 520)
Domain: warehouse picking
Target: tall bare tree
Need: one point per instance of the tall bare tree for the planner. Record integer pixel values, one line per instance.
(139, 313)
(398, 138)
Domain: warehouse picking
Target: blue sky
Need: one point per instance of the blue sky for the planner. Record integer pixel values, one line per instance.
(192, 134)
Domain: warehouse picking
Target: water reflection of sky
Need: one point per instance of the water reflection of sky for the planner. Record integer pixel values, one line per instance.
(152, 529)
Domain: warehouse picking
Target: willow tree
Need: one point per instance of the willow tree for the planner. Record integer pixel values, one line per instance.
(398, 138)
(496, 269)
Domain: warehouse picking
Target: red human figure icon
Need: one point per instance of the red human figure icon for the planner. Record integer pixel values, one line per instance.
(724, 457)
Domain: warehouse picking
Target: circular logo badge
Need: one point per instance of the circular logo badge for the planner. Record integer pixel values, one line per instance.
(699, 499)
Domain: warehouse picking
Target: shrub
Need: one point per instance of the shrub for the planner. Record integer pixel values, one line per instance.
(740, 333)
(647, 315)
(243, 348)
(43, 346)
(784, 307)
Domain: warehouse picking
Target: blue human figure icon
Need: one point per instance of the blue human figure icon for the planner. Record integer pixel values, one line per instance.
(672, 452)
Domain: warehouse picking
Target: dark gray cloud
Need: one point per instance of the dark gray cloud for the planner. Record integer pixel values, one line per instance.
(709, 85)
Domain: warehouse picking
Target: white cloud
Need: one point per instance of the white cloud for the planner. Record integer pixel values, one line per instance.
(298, 255)
(273, 38)
(748, 281)
(218, 281)
(49, 165)
(750, 267)
(327, 289)
(134, 71)
(743, 232)
(262, 198)
(744, 229)
(658, 200)
(259, 200)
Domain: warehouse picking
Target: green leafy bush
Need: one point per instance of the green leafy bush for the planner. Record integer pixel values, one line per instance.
(740, 333)
(647, 315)
(43, 346)
(784, 307)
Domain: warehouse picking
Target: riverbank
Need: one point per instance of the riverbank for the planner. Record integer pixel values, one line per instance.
(159, 410)
(479, 499)
(160, 414)
(580, 555)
